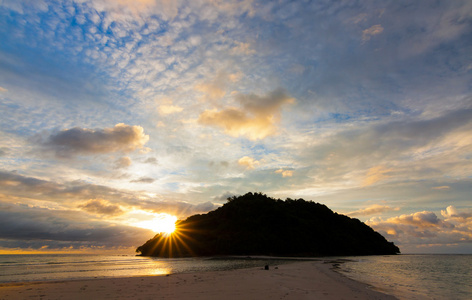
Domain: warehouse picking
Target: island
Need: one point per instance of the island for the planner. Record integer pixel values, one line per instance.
(255, 224)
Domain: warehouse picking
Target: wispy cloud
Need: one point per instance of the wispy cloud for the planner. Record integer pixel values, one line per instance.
(374, 209)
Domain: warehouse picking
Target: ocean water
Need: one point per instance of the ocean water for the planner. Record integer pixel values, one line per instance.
(49, 267)
(414, 276)
(404, 276)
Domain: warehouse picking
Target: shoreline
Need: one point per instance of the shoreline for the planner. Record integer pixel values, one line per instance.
(297, 280)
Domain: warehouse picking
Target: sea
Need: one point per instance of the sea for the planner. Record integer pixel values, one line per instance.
(404, 276)
(429, 276)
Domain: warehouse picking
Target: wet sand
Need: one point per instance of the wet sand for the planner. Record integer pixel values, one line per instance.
(300, 280)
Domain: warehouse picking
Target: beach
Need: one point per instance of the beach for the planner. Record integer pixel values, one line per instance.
(299, 280)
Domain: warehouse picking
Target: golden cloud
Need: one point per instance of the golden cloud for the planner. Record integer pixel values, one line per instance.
(256, 118)
(242, 49)
(169, 109)
(371, 210)
(123, 162)
(443, 187)
(426, 228)
(419, 219)
(370, 32)
(376, 174)
(285, 173)
(168, 8)
(215, 88)
(248, 162)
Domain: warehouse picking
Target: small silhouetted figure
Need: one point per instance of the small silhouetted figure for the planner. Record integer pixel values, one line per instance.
(266, 267)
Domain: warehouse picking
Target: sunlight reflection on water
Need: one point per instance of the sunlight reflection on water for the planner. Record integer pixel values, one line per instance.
(19, 268)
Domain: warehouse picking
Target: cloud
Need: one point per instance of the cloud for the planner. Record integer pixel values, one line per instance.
(120, 9)
(151, 160)
(256, 118)
(248, 162)
(3, 90)
(123, 162)
(29, 226)
(169, 109)
(82, 141)
(372, 210)
(223, 197)
(102, 207)
(391, 149)
(442, 187)
(235, 7)
(21, 189)
(420, 219)
(16, 185)
(4, 151)
(376, 174)
(143, 180)
(425, 228)
(370, 32)
(216, 88)
(177, 208)
(383, 119)
(242, 49)
(285, 173)
(451, 212)
(166, 107)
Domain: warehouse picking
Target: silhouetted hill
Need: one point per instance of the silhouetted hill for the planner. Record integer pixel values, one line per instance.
(255, 224)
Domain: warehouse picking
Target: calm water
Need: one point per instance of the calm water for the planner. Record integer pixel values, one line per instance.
(415, 276)
(20, 268)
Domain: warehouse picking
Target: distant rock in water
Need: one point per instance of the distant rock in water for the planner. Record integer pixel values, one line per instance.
(255, 224)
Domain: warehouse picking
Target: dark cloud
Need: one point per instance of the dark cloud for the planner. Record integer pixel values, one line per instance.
(101, 207)
(151, 160)
(123, 162)
(143, 180)
(18, 185)
(59, 228)
(82, 141)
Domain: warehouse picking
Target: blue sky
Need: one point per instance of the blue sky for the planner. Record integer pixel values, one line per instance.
(113, 113)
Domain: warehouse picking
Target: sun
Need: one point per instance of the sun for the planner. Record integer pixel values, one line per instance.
(160, 223)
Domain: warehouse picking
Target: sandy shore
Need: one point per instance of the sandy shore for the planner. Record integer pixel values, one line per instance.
(301, 280)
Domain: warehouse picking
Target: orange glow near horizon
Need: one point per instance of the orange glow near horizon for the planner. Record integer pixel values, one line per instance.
(160, 223)
(45, 250)
(175, 243)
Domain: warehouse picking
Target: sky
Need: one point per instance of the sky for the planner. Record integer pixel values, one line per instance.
(118, 114)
